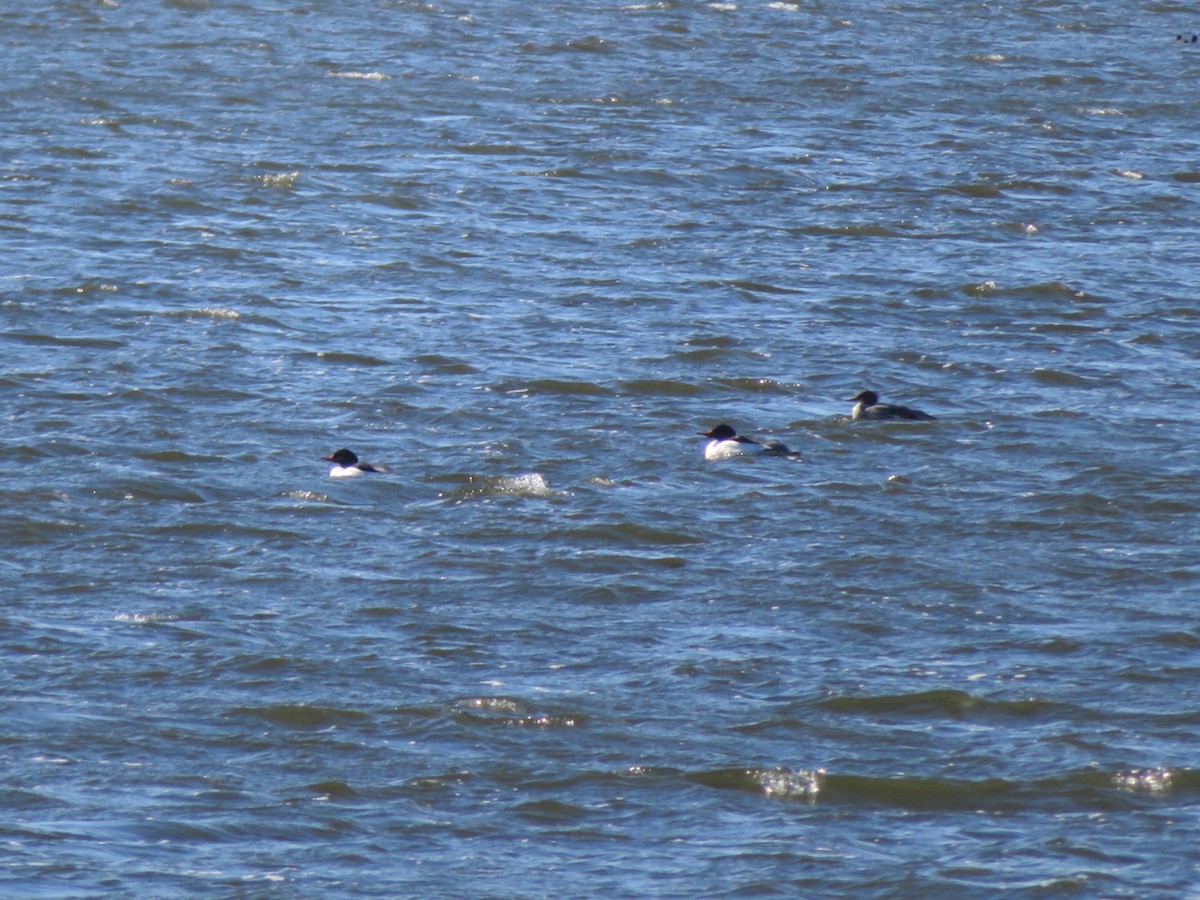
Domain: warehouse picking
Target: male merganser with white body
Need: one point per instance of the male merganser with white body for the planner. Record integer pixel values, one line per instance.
(725, 443)
(867, 406)
(346, 465)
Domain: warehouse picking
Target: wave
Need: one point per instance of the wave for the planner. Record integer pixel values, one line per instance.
(1088, 788)
(474, 487)
(298, 715)
(510, 712)
(952, 703)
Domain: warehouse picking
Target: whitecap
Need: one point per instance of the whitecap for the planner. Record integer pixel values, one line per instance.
(146, 618)
(217, 312)
(283, 180)
(531, 484)
(308, 496)
(802, 784)
(361, 76)
(1153, 781)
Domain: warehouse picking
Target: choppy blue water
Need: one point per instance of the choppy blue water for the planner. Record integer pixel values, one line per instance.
(521, 254)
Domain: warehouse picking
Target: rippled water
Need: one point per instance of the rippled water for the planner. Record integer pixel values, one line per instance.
(521, 254)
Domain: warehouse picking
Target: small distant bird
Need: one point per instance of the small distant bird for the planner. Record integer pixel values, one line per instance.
(867, 406)
(346, 465)
(725, 443)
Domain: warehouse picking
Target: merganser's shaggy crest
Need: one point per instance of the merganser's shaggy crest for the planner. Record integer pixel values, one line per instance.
(346, 465)
(725, 443)
(867, 406)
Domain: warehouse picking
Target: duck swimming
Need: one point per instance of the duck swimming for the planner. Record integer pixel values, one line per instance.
(867, 406)
(725, 443)
(346, 465)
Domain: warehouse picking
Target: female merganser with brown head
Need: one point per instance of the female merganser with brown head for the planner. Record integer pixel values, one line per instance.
(867, 406)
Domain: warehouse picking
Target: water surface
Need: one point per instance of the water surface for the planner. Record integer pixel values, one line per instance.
(522, 255)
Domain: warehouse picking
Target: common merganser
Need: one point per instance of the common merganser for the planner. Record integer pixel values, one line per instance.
(346, 465)
(725, 443)
(867, 406)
